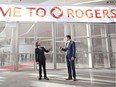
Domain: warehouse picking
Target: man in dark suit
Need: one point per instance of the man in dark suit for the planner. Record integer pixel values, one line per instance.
(70, 49)
(41, 59)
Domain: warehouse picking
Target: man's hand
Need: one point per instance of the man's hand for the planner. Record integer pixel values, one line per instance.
(72, 58)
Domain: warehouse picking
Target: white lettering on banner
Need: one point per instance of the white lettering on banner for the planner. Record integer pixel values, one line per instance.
(57, 13)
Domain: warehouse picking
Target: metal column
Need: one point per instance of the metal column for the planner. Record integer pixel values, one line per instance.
(15, 45)
(88, 27)
(107, 61)
(35, 40)
(54, 43)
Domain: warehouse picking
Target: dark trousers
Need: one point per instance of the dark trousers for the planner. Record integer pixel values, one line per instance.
(71, 68)
(44, 69)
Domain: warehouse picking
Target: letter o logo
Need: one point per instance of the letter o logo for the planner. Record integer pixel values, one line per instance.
(56, 16)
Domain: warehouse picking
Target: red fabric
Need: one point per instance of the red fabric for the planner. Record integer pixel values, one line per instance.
(11, 67)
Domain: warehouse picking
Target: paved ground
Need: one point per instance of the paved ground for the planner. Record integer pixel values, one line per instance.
(27, 77)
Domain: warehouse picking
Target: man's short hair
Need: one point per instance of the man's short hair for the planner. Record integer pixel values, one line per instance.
(68, 36)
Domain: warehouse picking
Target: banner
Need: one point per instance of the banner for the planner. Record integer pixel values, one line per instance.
(22, 12)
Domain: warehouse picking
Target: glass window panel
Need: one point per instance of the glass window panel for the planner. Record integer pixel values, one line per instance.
(60, 55)
(99, 45)
(112, 30)
(26, 41)
(5, 51)
(26, 29)
(61, 60)
(82, 60)
(113, 59)
(44, 29)
(80, 30)
(81, 44)
(59, 30)
(113, 45)
(47, 42)
(1, 28)
(97, 30)
(100, 60)
(60, 39)
(26, 57)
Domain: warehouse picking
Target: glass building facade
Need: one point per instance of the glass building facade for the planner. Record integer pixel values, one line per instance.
(95, 43)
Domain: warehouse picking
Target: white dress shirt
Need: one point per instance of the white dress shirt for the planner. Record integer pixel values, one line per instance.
(67, 43)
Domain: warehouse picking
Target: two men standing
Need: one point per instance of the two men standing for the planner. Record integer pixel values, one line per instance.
(70, 50)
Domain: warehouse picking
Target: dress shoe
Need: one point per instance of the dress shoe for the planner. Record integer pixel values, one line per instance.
(74, 79)
(39, 78)
(69, 79)
(46, 78)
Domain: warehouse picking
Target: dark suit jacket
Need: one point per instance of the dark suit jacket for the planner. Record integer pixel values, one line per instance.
(70, 50)
(39, 54)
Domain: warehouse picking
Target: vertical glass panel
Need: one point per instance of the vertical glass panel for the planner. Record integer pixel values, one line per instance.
(80, 37)
(26, 49)
(59, 30)
(113, 45)
(49, 60)
(60, 55)
(82, 53)
(5, 51)
(113, 59)
(113, 52)
(26, 43)
(111, 30)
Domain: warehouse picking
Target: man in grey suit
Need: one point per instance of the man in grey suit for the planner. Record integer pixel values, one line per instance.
(70, 49)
